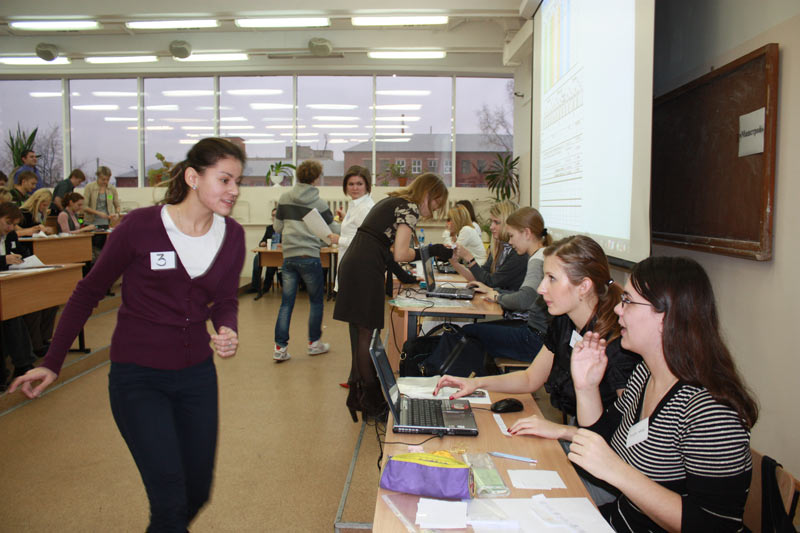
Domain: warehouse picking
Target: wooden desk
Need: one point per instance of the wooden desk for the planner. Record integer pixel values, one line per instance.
(548, 452)
(274, 258)
(25, 292)
(62, 250)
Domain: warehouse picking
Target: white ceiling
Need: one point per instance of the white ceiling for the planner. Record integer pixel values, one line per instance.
(473, 39)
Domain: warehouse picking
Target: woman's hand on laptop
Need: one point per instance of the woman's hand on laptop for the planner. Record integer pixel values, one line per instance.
(480, 287)
(465, 386)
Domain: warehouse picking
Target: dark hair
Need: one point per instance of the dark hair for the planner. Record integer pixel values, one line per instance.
(25, 153)
(77, 173)
(71, 197)
(356, 170)
(27, 175)
(309, 171)
(10, 210)
(468, 205)
(205, 153)
(692, 343)
(584, 258)
(528, 217)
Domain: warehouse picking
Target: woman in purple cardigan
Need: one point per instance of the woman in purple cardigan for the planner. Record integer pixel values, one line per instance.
(180, 264)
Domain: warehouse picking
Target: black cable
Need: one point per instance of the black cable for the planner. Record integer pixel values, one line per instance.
(437, 436)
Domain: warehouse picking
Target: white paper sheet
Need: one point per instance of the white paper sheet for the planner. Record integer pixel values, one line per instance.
(441, 514)
(751, 132)
(423, 388)
(536, 479)
(317, 225)
(549, 514)
(27, 263)
(501, 424)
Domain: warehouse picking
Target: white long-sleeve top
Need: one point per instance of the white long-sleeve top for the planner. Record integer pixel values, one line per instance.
(352, 220)
(471, 240)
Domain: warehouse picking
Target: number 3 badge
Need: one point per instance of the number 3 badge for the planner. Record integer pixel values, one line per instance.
(162, 260)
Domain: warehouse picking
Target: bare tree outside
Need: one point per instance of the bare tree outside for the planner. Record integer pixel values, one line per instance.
(49, 149)
(496, 121)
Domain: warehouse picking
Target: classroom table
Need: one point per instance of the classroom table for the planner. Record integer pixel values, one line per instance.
(23, 292)
(273, 257)
(63, 249)
(547, 452)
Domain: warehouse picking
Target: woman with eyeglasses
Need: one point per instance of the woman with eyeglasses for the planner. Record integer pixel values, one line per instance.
(580, 295)
(676, 444)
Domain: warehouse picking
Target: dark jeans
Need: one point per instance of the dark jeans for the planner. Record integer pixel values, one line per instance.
(169, 420)
(256, 278)
(503, 338)
(309, 269)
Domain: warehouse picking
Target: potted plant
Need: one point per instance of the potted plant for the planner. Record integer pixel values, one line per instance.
(277, 171)
(399, 173)
(19, 143)
(503, 178)
(157, 175)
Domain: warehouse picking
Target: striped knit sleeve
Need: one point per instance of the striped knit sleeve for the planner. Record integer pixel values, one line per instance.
(716, 453)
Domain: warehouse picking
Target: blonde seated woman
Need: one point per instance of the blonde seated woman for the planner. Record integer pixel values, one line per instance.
(34, 214)
(463, 234)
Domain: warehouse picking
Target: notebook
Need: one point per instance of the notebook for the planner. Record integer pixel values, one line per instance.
(414, 415)
(441, 292)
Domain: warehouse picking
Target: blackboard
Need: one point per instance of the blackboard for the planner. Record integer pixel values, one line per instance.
(703, 195)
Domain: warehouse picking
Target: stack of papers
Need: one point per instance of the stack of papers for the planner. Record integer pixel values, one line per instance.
(441, 514)
(536, 479)
(423, 388)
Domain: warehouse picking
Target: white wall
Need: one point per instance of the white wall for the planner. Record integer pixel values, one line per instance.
(758, 301)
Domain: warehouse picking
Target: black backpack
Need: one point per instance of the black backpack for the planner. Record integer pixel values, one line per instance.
(417, 350)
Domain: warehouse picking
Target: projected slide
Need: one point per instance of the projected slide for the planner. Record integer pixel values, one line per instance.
(585, 73)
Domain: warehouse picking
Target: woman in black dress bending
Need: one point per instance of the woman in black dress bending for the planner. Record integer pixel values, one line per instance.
(384, 236)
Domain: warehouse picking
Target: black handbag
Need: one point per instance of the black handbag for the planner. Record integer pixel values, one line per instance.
(417, 350)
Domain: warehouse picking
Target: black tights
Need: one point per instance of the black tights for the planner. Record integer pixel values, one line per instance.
(365, 392)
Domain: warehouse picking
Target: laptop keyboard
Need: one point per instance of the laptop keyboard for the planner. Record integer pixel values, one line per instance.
(425, 412)
(455, 292)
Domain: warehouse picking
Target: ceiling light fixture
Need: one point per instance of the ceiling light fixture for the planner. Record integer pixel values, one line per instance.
(233, 56)
(114, 93)
(171, 24)
(408, 54)
(188, 92)
(291, 22)
(96, 107)
(45, 94)
(55, 25)
(31, 60)
(120, 59)
(399, 21)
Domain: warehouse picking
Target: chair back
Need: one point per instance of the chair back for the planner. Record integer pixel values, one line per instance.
(788, 487)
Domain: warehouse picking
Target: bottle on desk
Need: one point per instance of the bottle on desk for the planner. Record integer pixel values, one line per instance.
(421, 236)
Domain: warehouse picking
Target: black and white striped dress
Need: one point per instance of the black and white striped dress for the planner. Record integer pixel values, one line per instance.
(695, 446)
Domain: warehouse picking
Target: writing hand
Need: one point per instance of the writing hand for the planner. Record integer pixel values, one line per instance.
(226, 341)
(13, 259)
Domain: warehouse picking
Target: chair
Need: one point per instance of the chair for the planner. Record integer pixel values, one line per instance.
(509, 365)
(789, 489)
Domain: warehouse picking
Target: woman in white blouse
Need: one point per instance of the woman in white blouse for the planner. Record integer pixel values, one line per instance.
(357, 185)
(464, 234)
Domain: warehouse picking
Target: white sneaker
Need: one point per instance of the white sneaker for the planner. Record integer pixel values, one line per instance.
(281, 354)
(317, 347)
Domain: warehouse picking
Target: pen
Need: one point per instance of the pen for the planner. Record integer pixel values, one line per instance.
(514, 457)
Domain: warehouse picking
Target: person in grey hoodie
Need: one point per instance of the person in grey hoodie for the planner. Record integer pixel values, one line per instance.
(301, 257)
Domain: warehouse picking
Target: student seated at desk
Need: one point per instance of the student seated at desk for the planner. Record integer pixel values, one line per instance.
(676, 444)
(255, 282)
(68, 219)
(16, 342)
(463, 234)
(504, 268)
(580, 295)
(512, 337)
(34, 214)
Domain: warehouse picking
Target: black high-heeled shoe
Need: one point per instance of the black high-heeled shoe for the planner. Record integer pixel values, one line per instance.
(354, 414)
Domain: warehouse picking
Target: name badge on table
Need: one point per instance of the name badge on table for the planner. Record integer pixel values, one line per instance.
(162, 260)
(638, 433)
(575, 339)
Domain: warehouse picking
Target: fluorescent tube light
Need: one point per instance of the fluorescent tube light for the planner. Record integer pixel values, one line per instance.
(418, 54)
(171, 24)
(55, 25)
(332, 106)
(45, 94)
(269, 105)
(338, 141)
(290, 22)
(398, 21)
(120, 59)
(399, 107)
(398, 140)
(237, 56)
(120, 119)
(96, 107)
(333, 126)
(197, 128)
(334, 117)
(235, 127)
(33, 61)
(188, 92)
(113, 93)
(264, 141)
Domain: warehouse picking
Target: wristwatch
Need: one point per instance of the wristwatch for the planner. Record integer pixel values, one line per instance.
(472, 262)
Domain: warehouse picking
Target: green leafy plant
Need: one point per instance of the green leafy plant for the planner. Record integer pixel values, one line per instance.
(398, 172)
(157, 175)
(278, 170)
(503, 178)
(20, 142)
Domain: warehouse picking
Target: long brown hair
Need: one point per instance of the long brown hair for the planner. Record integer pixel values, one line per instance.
(458, 215)
(583, 258)
(501, 210)
(692, 343)
(205, 153)
(531, 218)
(428, 183)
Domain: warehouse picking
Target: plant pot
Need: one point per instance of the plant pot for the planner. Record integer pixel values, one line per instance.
(402, 181)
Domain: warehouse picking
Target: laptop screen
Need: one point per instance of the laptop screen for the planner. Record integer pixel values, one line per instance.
(427, 267)
(384, 370)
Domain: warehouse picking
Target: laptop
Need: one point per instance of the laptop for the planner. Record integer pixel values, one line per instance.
(441, 292)
(415, 415)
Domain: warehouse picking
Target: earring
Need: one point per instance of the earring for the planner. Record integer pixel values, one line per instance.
(194, 187)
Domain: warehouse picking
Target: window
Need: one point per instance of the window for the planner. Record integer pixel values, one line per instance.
(481, 165)
(466, 167)
(385, 165)
(107, 135)
(416, 166)
(334, 122)
(484, 124)
(258, 113)
(401, 165)
(413, 120)
(433, 164)
(448, 167)
(31, 104)
(177, 113)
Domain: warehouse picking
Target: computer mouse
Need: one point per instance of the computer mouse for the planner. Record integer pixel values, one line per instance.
(507, 405)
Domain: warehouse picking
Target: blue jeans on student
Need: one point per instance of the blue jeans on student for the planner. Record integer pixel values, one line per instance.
(512, 339)
(292, 270)
(169, 420)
